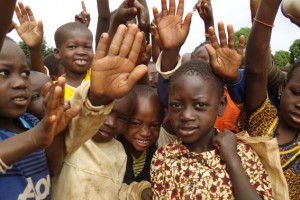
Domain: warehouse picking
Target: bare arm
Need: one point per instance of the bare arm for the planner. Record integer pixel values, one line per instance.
(6, 13)
(103, 18)
(258, 56)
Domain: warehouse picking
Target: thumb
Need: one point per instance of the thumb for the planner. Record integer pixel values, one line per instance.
(129, 13)
(212, 55)
(71, 113)
(187, 21)
(136, 74)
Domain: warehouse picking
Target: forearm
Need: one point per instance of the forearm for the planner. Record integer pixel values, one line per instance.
(169, 60)
(6, 13)
(208, 23)
(36, 59)
(145, 27)
(56, 154)
(16, 148)
(155, 50)
(240, 182)
(103, 18)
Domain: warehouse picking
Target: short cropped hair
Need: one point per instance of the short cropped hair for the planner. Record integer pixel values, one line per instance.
(294, 67)
(62, 32)
(202, 69)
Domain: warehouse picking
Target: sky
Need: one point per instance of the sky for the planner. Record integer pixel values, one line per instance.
(55, 13)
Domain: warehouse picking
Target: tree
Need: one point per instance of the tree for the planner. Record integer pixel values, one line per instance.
(295, 51)
(282, 58)
(46, 50)
(243, 31)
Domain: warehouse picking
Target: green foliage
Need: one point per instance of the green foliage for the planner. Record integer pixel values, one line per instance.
(243, 31)
(295, 51)
(46, 50)
(282, 58)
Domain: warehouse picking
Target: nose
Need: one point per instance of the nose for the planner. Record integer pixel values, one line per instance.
(145, 131)
(81, 51)
(111, 121)
(187, 114)
(20, 82)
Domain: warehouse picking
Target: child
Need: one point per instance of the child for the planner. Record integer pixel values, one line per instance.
(36, 106)
(74, 49)
(23, 163)
(95, 168)
(285, 123)
(54, 66)
(141, 135)
(203, 163)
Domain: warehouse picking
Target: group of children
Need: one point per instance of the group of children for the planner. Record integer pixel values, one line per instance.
(96, 125)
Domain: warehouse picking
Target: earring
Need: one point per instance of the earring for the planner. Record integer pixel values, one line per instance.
(279, 97)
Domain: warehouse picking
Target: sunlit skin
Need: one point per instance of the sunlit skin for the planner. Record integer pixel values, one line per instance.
(36, 106)
(15, 84)
(116, 122)
(194, 106)
(144, 125)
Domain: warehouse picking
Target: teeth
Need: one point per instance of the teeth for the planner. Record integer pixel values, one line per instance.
(19, 99)
(81, 62)
(143, 141)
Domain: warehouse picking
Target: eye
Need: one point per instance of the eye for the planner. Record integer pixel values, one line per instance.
(89, 47)
(25, 73)
(4, 72)
(123, 118)
(296, 93)
(155, 126)
(201, 105)
(133, 123)
(71, 46)
(35, 97)
(175, 105)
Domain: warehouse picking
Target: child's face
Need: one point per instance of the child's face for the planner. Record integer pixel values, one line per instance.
(194, 106)
(14, 81)
(290, 101)
(116, 122)
(76, 53)
(144, 125)
(36, 106)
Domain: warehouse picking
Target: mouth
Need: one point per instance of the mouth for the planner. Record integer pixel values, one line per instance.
(295, 117)
(81, 62)
(105, 133)
(20, 101)
(187, 131)
(143, 143)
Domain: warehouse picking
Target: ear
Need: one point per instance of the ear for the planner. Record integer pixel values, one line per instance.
(281, 88)
(222, 106)
(57, 53)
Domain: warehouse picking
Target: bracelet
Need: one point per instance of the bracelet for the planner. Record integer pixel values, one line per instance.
(263, 23)
(206, 35)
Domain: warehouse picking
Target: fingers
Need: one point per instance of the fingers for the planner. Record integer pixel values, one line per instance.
(83, 6)
(180, 8)
(128, 40)
(164, 9)
(156, 15)
(18, 13)
(230, 32)
(136, 74)
(187, 21)
(222, 34)
(172, 7)
(71, 113)
(102, 46)
(117, 40)
(136, 47)
(29, 14)
(212, 55)
(241, 46)
(213, 38)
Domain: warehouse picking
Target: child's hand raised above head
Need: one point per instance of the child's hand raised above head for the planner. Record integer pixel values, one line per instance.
(115, 73)
(170, 27)
(29, 30)
(204, 9)
(128, 10)
(83, 17)
(224, 58)
(56, 116)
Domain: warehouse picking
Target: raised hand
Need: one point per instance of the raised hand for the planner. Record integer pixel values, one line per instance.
(114, 75)
(170, 27)
(224, 58)
(30, 31)
(56, 117)
(83, 17)
(204, 9)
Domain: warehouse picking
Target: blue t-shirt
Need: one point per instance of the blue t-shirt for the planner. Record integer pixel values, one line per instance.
(28, 178)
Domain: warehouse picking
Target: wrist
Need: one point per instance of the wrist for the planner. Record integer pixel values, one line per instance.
(98, 99)
(169, 60)
(233, 80)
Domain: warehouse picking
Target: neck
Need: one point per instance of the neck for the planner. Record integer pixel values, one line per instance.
(74, 79)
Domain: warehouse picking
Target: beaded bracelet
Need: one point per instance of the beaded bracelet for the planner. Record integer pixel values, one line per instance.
(263, 23)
